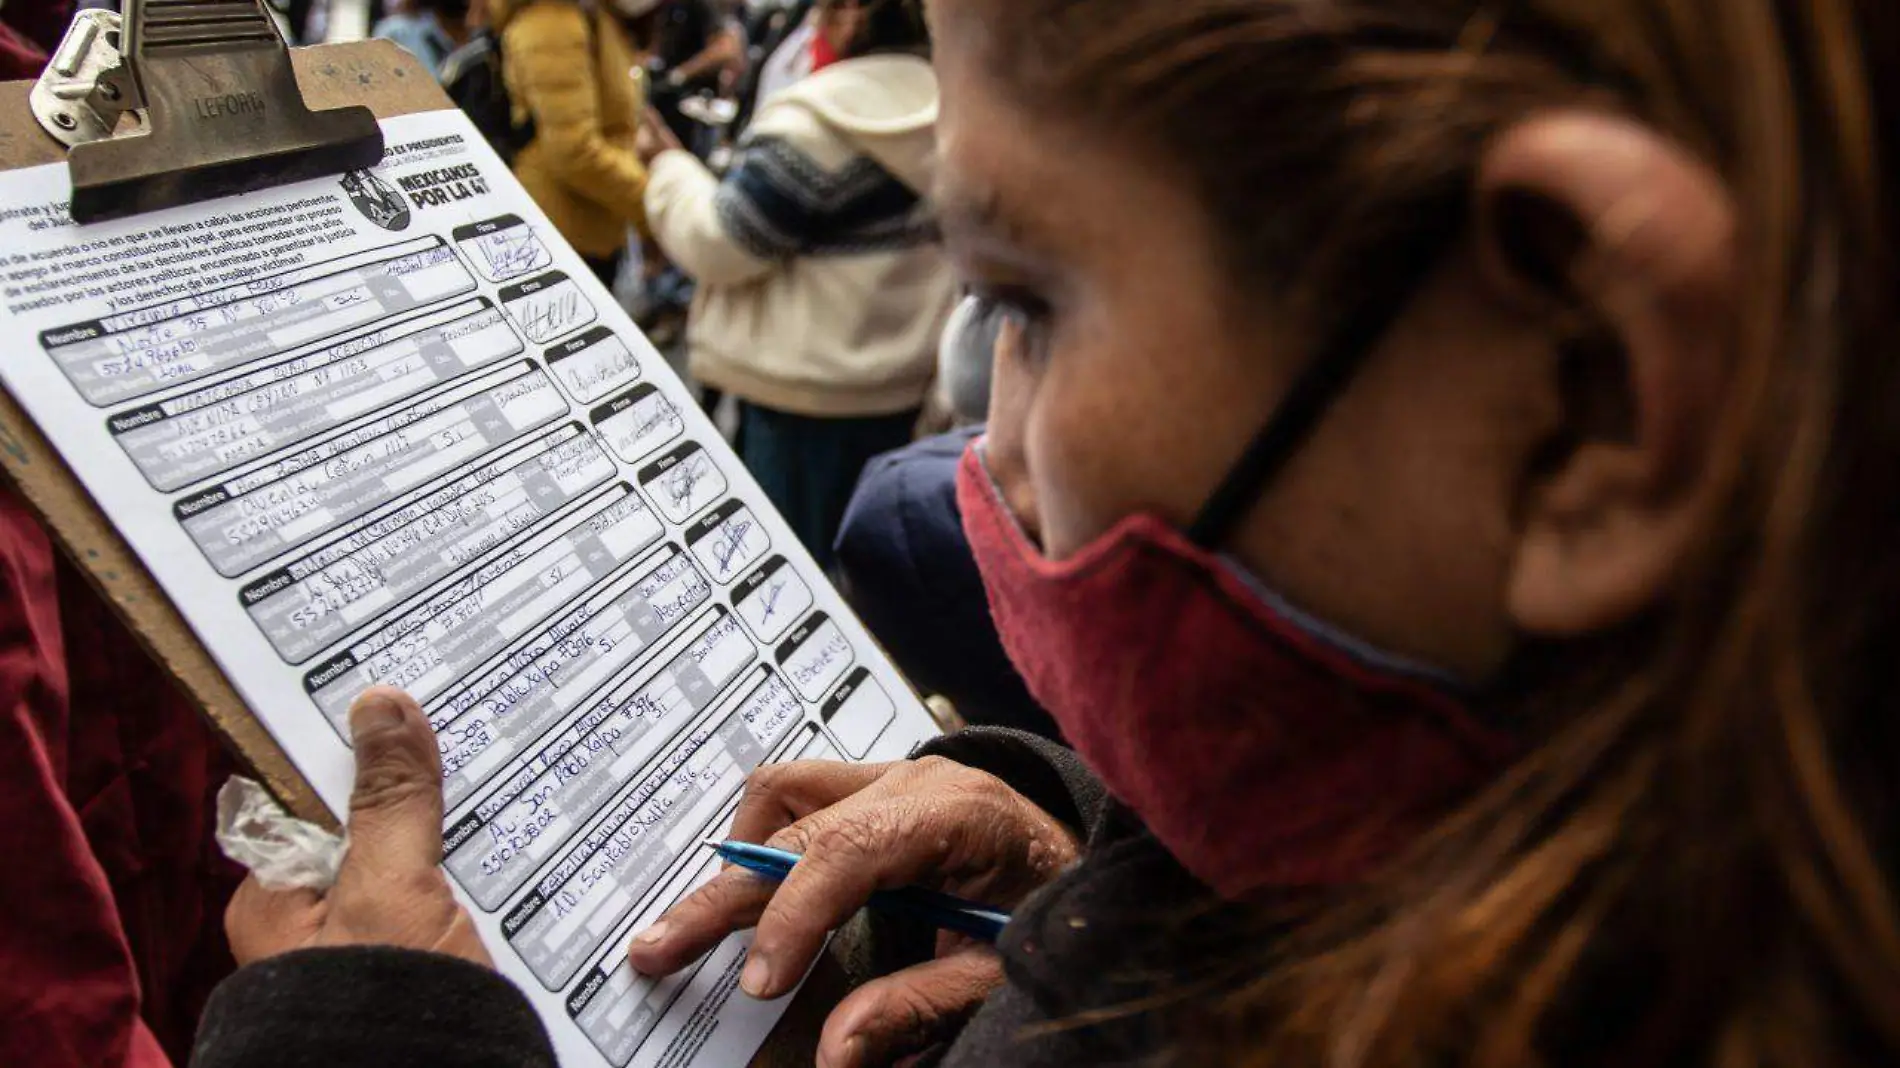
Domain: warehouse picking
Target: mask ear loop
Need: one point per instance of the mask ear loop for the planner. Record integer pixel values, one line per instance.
(1314, 392)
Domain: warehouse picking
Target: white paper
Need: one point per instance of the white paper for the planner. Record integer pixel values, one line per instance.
(389, 428)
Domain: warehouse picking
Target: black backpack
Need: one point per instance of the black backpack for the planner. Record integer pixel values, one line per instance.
(472, 77)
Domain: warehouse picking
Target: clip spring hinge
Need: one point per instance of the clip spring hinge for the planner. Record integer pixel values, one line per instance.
(213, 105)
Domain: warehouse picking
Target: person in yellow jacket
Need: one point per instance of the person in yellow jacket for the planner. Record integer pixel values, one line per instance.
(569, 68)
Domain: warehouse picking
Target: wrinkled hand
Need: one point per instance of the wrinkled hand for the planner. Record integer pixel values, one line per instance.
(654, 137)
(390, 890)
(863, 829)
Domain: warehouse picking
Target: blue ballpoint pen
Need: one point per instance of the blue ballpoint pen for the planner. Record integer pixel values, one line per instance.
(914, 902)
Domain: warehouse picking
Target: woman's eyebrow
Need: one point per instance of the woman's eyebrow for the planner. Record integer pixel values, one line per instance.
(979, 212)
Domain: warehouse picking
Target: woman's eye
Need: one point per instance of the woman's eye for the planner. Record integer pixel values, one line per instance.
(1031, 314)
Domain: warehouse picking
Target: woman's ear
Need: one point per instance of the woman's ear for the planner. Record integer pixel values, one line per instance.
(1630, 238)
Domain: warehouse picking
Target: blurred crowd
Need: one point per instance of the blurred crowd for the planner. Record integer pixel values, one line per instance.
(751, 179)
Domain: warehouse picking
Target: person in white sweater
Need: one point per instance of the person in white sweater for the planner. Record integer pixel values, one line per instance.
(823, 287)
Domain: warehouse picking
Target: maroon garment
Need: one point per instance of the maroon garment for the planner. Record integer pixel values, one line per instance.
(42, 22)
(111, 910)
(19, 57)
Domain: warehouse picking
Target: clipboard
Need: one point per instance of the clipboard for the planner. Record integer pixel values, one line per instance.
(115, 116)
(376, 79)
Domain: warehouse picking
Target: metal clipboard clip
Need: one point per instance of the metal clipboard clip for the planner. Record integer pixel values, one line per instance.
(186, 100)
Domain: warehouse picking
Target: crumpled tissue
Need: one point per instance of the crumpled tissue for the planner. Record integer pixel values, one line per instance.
(284, 852)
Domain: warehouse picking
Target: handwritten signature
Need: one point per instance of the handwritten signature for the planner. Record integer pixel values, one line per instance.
(655, 421)
(683, 482)
(512, 252)
(546, 318)
(730, 543)
(774, 594)
(658, 413)
(601, 374)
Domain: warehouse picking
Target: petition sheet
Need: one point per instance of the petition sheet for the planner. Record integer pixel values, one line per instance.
(387, 428)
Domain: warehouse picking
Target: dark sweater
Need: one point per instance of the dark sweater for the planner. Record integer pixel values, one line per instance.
(1098, 938)
(368, 1007)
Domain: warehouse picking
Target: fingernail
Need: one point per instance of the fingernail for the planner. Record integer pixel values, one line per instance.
(850, 1055)
(653, 935)
(374, 711)
(756, 980)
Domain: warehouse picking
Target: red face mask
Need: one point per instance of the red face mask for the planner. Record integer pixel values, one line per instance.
(1260, 749)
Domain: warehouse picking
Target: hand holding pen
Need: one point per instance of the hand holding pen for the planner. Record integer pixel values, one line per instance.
(859, 830)
(942, 911)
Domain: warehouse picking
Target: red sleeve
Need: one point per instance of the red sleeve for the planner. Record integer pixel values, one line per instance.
(68, 992)
(43, 22)
(20, 58)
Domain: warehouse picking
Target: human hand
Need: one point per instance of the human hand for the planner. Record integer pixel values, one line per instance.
(390, 890)
(654, 137)
(863, 829)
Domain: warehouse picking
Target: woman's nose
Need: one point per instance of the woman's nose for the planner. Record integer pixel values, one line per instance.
(1011, 392)
(1019, 494)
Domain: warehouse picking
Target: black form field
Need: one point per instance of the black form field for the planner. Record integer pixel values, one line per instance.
(502, 248)
(617, 1008)
(548, 307)
(729, 540)
(495, 848)
(859, 712)
(209, 431)
(315, 600)
(122, 357)
(771, 599)
(264, 512)
(608, 872)
(684, 482)
(593, 365)
(639, 423)
(454, 630)
(499, 713)
(815, 655)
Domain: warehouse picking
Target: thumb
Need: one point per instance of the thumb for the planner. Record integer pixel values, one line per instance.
(907, 1012)
(396, 806)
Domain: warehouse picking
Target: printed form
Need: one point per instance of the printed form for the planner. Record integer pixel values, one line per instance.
(388, 428)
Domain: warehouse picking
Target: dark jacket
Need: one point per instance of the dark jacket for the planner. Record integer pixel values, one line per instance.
(368, 1008)
(1126, 926)
(1093, 942)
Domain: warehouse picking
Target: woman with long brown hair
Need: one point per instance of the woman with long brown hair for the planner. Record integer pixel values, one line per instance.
(1442, 477)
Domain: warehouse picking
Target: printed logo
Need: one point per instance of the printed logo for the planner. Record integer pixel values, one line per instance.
(379, 201)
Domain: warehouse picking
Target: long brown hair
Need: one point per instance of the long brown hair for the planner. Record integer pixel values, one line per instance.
(1696, 864)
